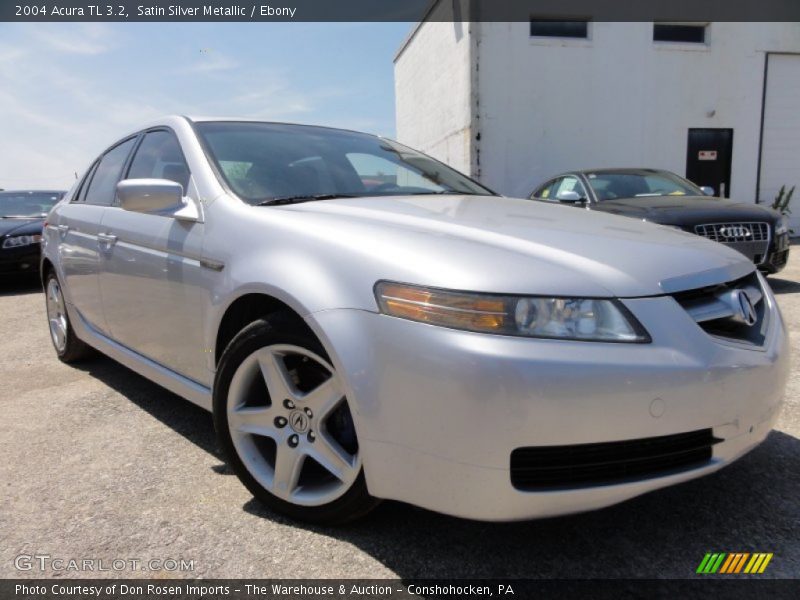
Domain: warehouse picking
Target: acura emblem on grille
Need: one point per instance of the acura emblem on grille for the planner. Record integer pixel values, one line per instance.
(735, 231)
(744, 306)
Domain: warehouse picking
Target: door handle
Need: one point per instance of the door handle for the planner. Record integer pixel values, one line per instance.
(107, 238)
(62, 229)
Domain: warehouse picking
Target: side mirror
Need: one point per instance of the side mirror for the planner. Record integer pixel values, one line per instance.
(156, 196)
(570, 197)
(708, 191)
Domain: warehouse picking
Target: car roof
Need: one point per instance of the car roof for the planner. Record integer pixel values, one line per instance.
(175, 120)
(208, 119)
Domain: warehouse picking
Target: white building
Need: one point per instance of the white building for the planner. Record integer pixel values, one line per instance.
(513, 103)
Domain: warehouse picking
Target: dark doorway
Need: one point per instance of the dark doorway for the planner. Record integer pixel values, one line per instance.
(708, 159)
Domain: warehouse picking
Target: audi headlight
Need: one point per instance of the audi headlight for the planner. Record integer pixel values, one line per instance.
(21, 240)
(586, 319)
(782, 225)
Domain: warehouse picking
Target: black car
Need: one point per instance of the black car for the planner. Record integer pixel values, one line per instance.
(760, 233)
(22, 216)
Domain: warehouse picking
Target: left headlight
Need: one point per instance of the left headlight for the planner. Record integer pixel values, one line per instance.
(584, 319)
(21, 240)
(782, 225)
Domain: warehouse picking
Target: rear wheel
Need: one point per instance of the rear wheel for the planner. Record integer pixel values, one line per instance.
(67, 345)
(285, 425)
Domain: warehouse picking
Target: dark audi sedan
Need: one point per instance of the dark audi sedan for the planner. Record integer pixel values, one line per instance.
(758, 232)
(22, 216)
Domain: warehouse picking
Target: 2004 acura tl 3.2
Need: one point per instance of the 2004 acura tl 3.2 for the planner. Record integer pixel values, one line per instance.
(365, 322)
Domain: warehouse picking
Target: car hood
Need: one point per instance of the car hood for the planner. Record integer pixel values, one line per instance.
(687, 210)
(506, 245)
(20, 226)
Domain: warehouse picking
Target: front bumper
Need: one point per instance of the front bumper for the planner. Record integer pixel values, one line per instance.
(25, 259)
(439, 412)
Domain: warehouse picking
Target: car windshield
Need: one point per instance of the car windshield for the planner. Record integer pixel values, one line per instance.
(613, 185)
(267, 161)
(27, 204)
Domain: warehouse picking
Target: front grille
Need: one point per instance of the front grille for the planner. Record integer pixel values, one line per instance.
(751, 239)
(717, 310)
(587, 465)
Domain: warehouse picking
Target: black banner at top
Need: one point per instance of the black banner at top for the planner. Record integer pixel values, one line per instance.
(397, 10)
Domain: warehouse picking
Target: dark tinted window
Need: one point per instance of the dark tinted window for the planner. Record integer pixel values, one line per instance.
(546, 191)
(159, 157)
(80, 194)
(102, 188)
(553, 28)
(664, 32)
(261, 161)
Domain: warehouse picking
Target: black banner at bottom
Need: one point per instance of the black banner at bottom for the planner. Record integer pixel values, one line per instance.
(361, 589)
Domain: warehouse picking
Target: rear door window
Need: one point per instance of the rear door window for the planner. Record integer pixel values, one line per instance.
(80, 195)
(102, 189)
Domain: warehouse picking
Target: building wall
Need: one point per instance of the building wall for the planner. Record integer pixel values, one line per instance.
(433, 92)
(617, 99)
(780, 150)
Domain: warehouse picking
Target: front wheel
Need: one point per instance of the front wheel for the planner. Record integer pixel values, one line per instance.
(285, 426)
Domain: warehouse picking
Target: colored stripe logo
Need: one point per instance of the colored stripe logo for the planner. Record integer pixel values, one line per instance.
(734, 562)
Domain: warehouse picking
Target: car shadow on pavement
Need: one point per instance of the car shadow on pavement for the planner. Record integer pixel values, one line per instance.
(180, 415)
(750, 506)
(20, 286)
(783, 286)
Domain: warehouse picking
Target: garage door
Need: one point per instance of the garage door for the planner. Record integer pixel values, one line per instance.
(780, 150)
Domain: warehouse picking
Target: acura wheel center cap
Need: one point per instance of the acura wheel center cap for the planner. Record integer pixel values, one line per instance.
(299, 421)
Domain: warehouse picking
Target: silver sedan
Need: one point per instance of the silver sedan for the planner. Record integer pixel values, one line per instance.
(366, 323)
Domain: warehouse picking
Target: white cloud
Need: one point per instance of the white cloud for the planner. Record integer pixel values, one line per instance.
(211, 61)
(78, 38)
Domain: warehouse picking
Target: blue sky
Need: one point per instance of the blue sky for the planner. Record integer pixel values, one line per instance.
(69, 90)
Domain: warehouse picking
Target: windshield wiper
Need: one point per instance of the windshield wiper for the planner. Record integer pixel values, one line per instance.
(23, 216)
(278, 200)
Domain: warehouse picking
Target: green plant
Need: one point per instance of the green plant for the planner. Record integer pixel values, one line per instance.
(782, 200)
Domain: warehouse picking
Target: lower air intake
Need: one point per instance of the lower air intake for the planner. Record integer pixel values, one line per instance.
(586, 465)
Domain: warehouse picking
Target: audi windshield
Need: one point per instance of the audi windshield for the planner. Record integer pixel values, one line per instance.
(615, 185)
(27, 204)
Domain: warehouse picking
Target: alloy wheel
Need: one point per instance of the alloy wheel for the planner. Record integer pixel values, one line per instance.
(56, 315)
(291, 426)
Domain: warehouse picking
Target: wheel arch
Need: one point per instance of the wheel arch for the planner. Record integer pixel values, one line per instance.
(246, 308)
(45, 268)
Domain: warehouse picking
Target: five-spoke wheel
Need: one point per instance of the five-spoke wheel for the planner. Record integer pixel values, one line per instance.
(283, 418)
(68, 347)
(281, 407)
(56, 314)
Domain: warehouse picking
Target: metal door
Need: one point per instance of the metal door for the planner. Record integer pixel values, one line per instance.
(708, 159)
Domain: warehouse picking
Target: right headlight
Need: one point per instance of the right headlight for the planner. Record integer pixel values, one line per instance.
(584, 319)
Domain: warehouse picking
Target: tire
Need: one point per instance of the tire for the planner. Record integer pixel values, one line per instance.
(68, 347)
(271, 380)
